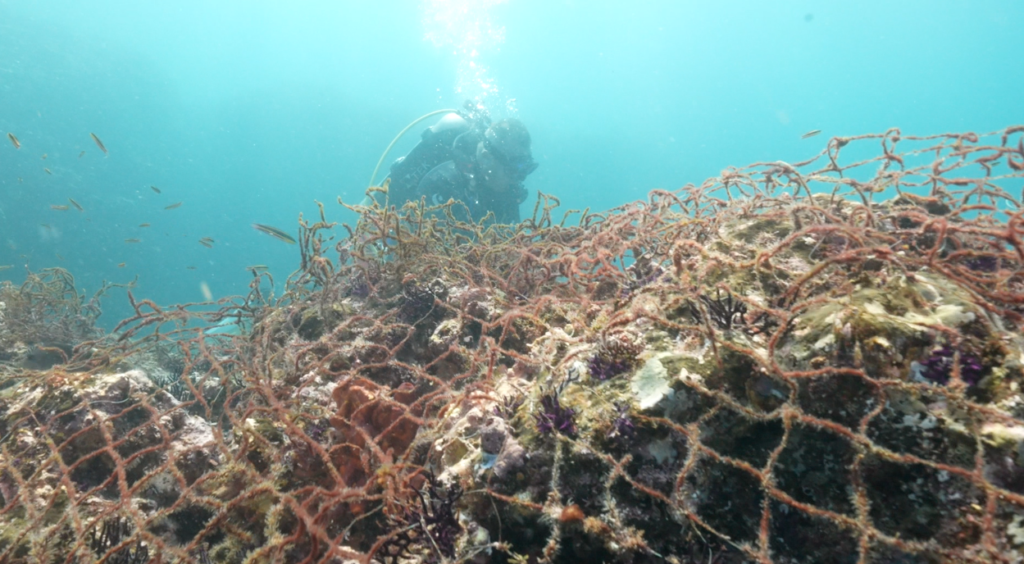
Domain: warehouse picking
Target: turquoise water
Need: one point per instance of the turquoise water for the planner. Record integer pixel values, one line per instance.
(250, 111)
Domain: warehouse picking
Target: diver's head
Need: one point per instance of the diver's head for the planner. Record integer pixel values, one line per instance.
(506, 143)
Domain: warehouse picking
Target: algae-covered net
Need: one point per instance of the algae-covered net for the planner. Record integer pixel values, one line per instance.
(810, 362)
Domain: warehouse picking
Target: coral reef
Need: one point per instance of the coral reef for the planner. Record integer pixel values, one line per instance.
(45, 318)
(783, 364)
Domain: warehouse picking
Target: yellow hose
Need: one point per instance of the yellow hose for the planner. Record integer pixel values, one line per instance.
(399, 136)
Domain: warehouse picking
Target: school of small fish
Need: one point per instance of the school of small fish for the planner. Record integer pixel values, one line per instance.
(207, 242)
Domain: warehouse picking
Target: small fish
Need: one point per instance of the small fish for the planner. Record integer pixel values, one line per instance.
(46, 170)
(6, 267)
(190, 267)
(99, 144)
(76, 204)
(58, 256)
(44, 225)
(120, 265)
(44, 156)
(207, 244)
(82, 154)
(133, 240)
(155, 189)
(14, 140)
(59, 208)
(258, 267)
(810, 133)
(274, 232)
(143, 225)
(173, 206)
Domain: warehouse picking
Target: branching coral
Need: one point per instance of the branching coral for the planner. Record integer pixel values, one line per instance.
(724, 312)
(429, 530)
(113, 532)
(507, 406)
(553, 417)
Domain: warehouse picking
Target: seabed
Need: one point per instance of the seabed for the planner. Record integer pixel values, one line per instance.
(810, 362)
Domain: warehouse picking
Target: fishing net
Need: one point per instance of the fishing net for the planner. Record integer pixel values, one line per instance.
(810, 362)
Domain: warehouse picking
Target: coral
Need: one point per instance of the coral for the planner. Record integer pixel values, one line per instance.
(44, 318)
(616, 354)
(939, 366)
(623, 429)
(507, 407)
(432, 528)
(601, 367)
(110, 536)
(724, 312)
(368, 412)
(553, 417)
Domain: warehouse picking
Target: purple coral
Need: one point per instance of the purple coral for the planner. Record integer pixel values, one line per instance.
(983, 263)
(435, 525)
(615, 354)
(939, 366)
(602, 368)
(622, 426)
(554, 417)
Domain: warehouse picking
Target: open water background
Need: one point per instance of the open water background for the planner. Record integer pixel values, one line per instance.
(248, 111)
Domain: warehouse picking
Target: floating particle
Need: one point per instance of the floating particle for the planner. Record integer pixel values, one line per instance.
(174, 206)
(133, 240)
(59, 207)
(82, 154)
(43, 157)
(190, 267)
(120, 265)
(46, 170)
(76, 204)
(6, 267)
(155, 189)
(143, 225)
(99, 143)
(810, 133)
(274, 232)
(58, 256)
(205, 289)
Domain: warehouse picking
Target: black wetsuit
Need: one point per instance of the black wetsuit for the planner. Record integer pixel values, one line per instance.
(441, 167)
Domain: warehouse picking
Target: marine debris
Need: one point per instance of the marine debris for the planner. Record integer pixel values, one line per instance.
(810, 362)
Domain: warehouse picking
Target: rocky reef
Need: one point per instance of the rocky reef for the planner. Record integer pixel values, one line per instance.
(816, 362)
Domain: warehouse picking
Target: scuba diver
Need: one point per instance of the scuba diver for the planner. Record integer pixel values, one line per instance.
(465, 157)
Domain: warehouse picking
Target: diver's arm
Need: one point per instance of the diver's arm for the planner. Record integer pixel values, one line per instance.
(442, 183)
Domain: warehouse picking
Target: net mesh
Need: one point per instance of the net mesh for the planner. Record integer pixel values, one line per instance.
(804, 362)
